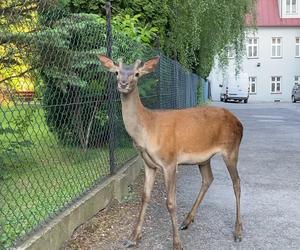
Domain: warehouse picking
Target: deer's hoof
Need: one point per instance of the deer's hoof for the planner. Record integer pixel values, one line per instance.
(129, 243)
(238, 232)
(177, 246)
(185, 224)
(237, 237)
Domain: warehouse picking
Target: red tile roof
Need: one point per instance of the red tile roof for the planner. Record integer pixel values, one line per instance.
(268, 15)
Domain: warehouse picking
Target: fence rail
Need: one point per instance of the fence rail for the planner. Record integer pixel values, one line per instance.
(63, 140)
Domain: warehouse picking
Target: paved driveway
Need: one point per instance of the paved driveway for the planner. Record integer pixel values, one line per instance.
(269, 168)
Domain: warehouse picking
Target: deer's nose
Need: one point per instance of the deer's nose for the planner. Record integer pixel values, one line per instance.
(123, 84)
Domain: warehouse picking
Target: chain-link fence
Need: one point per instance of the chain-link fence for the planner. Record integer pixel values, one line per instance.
(61, 129)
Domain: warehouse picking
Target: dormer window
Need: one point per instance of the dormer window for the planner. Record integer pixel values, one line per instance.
(291, 7)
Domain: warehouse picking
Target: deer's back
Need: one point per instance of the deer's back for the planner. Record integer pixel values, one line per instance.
(196, 130)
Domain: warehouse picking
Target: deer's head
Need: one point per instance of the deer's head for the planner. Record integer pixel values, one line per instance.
(128, 75)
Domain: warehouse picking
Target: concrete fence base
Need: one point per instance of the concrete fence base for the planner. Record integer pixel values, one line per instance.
(53, 235)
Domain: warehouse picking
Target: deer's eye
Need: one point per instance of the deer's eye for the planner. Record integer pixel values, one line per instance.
(137, 74)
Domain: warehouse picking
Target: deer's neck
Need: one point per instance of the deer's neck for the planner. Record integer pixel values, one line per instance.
(135, 116)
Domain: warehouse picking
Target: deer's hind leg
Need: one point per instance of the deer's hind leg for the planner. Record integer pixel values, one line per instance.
(207, 179)
(231, 160)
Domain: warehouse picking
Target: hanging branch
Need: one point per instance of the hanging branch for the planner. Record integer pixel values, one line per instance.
(16, 76)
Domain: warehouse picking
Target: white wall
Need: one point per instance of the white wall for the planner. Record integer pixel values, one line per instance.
(287, 67)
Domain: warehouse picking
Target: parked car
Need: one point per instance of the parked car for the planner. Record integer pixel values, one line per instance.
(235, 88)
(296, 93)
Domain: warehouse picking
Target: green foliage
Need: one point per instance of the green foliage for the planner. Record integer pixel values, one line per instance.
(14, 69)
(154, 13)
(151, 14)
(66, 46)
(132, 28)
(200, 92)
(87, 6)
(13, 129)
(191, 31)
(64, 50)
(209, 27)
(74, 77)
(75, 95)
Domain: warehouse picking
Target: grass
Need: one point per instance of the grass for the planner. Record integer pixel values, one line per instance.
(45, 177)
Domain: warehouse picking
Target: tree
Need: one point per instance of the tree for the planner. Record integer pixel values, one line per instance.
(206, 27)
(14, 68)
(61, 51)
(153, 13)
(15, 71)
(61, 44)
(191, 31)
(76, 95)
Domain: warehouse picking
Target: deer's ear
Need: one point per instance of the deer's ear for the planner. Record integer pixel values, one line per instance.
(149, 66)
(107, 63)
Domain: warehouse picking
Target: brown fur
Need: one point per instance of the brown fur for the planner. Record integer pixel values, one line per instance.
(194, 130)
(166, 139)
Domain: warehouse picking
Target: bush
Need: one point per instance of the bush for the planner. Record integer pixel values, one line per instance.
(75, 86)
(76, 91)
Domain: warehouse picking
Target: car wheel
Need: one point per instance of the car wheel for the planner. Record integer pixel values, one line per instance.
(293, 99)
(221, 99)
(225, 100)
(246, 101)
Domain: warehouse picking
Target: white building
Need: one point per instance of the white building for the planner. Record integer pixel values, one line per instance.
(272, 58)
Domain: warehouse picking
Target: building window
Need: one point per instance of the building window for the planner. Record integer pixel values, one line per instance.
(276, 47)
(291, 7)
(275, 84)
(297, 47)
(252, 48)
(252, 85)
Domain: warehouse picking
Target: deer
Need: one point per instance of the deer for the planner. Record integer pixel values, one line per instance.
(166, 139)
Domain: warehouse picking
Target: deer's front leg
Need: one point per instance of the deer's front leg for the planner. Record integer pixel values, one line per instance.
(170, 182)
(150, 174)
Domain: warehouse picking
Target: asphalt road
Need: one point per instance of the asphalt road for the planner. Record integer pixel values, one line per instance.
(269, 167)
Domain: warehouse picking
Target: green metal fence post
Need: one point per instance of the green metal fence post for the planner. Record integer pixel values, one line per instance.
(111, 92)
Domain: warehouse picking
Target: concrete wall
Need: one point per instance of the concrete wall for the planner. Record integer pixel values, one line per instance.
(60, 229)
(288, 66)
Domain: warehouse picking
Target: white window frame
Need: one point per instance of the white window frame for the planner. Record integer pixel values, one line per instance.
(275, 80)
(276, 45)
(297, 46)
(291, 7)
(252, 45)
(252, 80)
